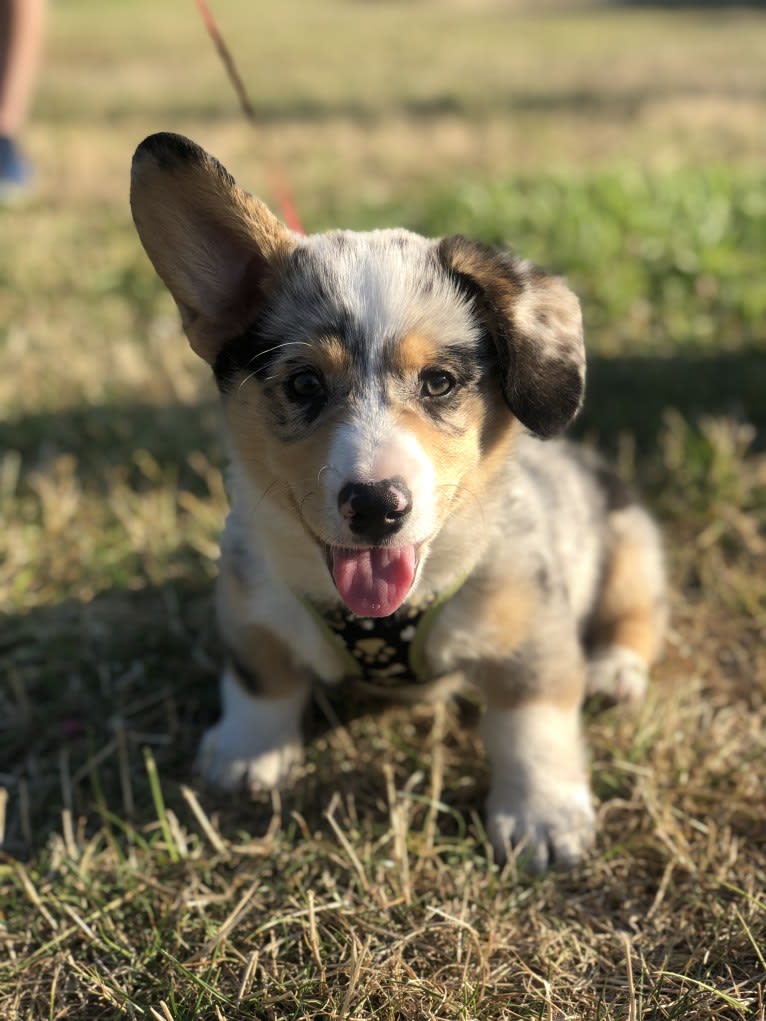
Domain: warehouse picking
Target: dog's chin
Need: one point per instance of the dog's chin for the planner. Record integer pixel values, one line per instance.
(373, 581)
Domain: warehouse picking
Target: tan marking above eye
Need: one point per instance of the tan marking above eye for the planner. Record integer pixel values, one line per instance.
(332, 356)
(413, 353)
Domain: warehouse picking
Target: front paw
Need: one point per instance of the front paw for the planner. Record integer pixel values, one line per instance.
(555, 829)
(539, 801)
(257, 741)
(232, 761)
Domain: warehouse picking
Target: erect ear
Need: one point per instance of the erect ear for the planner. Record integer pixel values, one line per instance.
(536, 325)
(217, 249)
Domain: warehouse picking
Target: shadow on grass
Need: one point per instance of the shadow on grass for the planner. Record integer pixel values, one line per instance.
(94, 684)
(630, 395)
(107, 436)
(90, 684)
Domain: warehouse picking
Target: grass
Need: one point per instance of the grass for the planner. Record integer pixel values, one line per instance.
(595, 144)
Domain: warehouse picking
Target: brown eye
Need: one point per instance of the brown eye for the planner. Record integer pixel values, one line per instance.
(436, 383)
(305, 385)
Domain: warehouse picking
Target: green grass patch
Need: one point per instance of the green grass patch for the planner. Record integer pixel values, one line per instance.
(665, 263)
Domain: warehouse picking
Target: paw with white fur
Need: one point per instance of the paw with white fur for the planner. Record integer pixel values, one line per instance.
(539, 800)
(255, 744)
(554, 828)
(617, 674)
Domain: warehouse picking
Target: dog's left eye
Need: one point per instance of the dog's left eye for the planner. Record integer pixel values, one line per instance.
(436, 383)
(305, 385)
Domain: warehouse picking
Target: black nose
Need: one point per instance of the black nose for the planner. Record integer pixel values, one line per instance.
(375, 510)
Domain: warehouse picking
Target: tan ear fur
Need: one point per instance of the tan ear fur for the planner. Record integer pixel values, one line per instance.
(536, 325)
(217, 249)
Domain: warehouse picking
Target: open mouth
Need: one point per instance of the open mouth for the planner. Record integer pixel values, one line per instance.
(373, 581)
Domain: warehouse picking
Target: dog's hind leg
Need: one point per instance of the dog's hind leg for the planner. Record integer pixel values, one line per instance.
(627, 626)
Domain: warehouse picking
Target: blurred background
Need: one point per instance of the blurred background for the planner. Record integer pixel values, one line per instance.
(622, 144)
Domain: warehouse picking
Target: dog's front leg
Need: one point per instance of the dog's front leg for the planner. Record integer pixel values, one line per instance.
(257, 741)
(539, 799)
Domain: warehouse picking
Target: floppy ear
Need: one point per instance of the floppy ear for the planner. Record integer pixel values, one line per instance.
(217, 249)
(536, 325)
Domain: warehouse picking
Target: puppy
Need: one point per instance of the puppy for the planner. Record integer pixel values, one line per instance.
(395, 516)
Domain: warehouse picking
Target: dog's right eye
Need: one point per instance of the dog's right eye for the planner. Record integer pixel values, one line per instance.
(436, 383)
(305, 385)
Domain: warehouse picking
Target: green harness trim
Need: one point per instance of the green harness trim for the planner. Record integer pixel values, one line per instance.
(385, 651)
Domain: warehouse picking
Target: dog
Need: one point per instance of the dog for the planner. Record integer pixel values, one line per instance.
(399, 511)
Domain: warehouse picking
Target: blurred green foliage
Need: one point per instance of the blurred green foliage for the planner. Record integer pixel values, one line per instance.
(661, 261)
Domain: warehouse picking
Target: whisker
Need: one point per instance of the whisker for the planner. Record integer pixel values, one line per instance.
(247, 379)
(267, 351)
(301, 480)
(268, 489)
(305, 497)
(328, 468)
(278, 347)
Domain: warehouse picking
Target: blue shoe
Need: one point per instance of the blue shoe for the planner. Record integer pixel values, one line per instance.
(15, 172)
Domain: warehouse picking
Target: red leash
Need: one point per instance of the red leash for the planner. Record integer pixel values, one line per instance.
(277, 177)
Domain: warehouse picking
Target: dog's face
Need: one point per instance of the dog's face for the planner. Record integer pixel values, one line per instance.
(366, 388)
(371, 382)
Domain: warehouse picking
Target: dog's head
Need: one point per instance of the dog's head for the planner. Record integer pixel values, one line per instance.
(369, 381)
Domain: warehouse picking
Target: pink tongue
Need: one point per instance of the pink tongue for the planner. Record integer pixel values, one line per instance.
(373, 582)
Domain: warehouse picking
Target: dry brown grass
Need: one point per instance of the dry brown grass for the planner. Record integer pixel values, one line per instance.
(365, 890)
